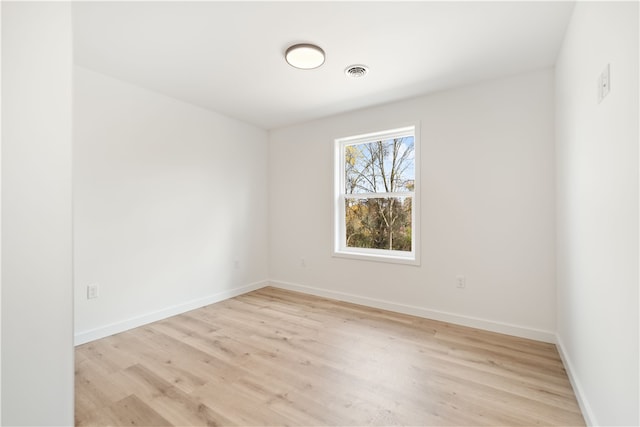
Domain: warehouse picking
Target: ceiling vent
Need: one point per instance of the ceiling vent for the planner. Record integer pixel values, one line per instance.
(356, 71)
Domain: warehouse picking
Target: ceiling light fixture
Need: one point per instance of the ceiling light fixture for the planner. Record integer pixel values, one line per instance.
(356, 71)
(304, 56)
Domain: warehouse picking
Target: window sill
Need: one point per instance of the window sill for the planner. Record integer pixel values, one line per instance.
(377, 257)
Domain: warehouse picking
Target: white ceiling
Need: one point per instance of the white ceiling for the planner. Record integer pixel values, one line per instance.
(228, 56)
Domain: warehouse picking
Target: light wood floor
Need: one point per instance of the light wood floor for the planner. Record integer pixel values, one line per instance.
(273, 357)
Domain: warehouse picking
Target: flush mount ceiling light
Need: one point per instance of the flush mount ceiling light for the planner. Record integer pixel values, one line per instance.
(304, 56)
(356, 71)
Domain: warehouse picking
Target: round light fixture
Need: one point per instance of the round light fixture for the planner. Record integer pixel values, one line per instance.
(356, 71)
(304, 56)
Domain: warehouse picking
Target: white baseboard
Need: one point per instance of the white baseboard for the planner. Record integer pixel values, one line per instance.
(587, 412)
(134, 322)
(474, 322)
(458, 319)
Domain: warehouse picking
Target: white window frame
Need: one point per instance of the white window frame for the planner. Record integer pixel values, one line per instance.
(340, 248)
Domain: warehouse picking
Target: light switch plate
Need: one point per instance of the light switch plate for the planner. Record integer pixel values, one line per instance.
(604, 83)
(92, 291)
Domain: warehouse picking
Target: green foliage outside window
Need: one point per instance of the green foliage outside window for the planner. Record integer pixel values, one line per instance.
(386, 166)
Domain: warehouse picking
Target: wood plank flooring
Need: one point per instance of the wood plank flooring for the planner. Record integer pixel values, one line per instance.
(274, 357)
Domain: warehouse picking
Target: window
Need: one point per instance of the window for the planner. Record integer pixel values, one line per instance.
(375, 204)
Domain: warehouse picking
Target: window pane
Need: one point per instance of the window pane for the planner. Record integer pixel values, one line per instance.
(381, 166)
(379, 223)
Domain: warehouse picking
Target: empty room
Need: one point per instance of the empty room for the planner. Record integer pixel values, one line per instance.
(320, 213)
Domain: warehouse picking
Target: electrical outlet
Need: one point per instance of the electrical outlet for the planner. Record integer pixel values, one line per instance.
(92, 291)
(461, 282)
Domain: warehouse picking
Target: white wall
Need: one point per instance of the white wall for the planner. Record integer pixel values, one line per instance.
(487, 208)
(37, 340)
(0, 221)
(167, 197)
(597, 170)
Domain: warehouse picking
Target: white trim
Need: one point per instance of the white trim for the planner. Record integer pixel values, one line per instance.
(377, 255)
(458, 319)
(385, 134)
(587, 412)
(134, 322)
